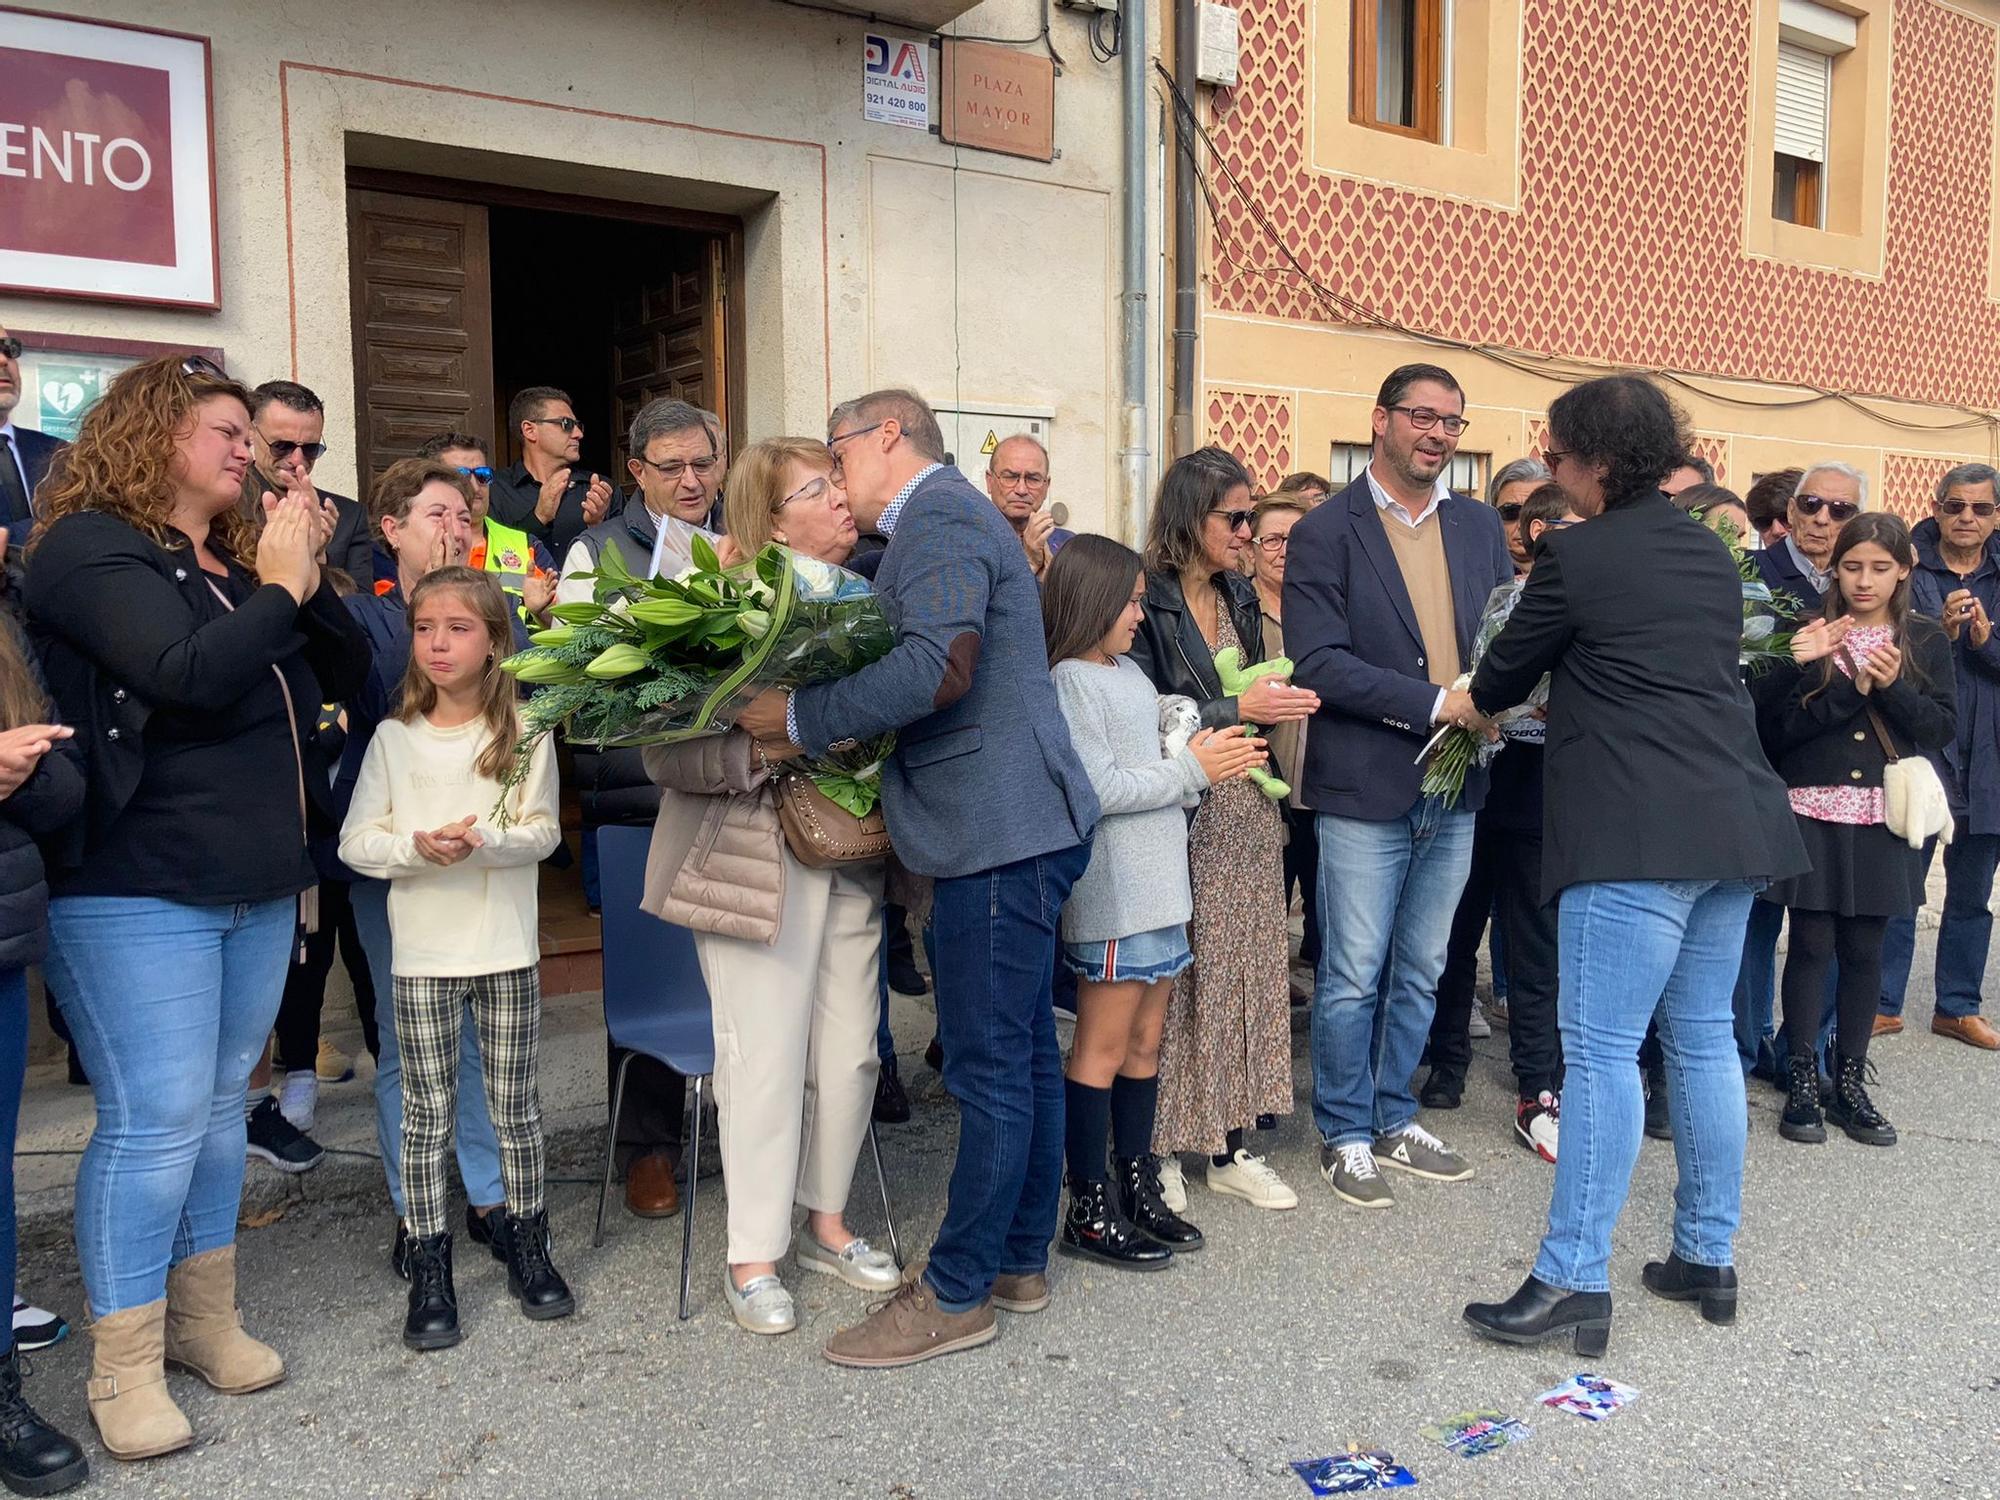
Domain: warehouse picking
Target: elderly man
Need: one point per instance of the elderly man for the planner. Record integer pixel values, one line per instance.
(1017, 477)
(1829, 495)
(679, 470)
(24, 453)
(986, 796)
(546, 494)
(287, 437)
(1958, 581)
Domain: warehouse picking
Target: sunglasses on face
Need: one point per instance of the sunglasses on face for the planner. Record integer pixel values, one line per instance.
(567, 424)
(284, 448)
(11, 347)
(1980, 508)
(1239, 520)
(1510, 512)
(482, 473)
(1840, 510)
(674, 468)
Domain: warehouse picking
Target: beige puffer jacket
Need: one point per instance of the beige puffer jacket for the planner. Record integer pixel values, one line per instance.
(716, 864)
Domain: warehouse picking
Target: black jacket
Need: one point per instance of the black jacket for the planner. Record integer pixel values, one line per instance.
(1778, 568)
(1824, 738)
(137, 649)
(40, 806)
(513, 493)
(1653, 768)
(612, 785)
(1170, 647)
(351, 548)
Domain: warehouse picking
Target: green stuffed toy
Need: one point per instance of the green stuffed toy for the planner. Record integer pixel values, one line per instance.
(1235, 678)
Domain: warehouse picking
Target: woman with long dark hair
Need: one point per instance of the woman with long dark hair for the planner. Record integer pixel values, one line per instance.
(1831, 728)
(1226, 1052)
(191, 657)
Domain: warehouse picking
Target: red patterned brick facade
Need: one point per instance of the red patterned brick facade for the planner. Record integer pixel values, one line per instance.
(1627, 246)
(1257, 427)
(1909, 482)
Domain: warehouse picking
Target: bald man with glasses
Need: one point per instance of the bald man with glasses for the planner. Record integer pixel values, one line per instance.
(1017, 478)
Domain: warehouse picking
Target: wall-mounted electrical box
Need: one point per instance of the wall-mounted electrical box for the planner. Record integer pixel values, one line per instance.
(1220, 47)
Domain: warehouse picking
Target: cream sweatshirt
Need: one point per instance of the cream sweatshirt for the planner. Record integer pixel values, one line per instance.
(474, 917)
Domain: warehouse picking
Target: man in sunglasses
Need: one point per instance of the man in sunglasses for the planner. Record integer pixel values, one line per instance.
(546, 493)
(25, 454)
(287, 437)
(1829, 495)
(1385, 585)
(1957, 580)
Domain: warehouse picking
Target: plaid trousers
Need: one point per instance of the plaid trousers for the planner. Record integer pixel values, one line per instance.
(507, 1010)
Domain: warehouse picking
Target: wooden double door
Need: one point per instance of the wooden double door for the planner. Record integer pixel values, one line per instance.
(444, 336)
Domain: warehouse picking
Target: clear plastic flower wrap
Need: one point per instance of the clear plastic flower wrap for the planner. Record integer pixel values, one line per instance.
(656, 660)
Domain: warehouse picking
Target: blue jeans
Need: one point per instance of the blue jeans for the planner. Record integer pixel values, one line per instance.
(1630, 949)
(170, 1006)
(1964, 935)
(477, 1145)
(995, 957)
(1387, 892)
(13, 1072)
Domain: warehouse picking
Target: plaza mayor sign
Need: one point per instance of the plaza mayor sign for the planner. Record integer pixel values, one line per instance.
(107, 173)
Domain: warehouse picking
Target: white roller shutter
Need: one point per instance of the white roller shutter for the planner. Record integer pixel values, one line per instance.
(1805, 80)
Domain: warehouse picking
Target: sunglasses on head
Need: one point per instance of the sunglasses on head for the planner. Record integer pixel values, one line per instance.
(1239, 520)
(1980, 508)
(1841, 510)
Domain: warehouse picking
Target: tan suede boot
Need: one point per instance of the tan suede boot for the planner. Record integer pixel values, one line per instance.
(205, 1331)
(135, 1416)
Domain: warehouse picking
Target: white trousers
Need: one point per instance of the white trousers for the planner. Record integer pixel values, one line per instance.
(795, 1059)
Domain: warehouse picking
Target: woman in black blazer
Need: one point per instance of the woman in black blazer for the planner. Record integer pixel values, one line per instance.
(191, 658)
(1823, 727)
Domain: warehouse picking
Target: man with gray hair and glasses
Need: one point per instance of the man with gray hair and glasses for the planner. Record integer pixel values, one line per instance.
(1957, 581)
(1017, 477)
(1829, 495)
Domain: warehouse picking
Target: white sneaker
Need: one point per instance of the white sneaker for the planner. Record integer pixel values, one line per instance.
(1538, 1123)
(1173, 1183)
(298, 1098)
(1251, 1178)
(1477, 1027)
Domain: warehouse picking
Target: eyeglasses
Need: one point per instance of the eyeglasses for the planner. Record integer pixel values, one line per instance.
(1840, 510)
(1273, 545)
(1424, 419)
(674, 468)
(481, 473)
(1556, 525)
(1554, 456)
(567, 424)
(284, 448)
(1033, 480)
(1980, 508)
(812, 489)
(1239, 520)
(194, 364)
(1510, 512)
(833, 443)
(11, 347)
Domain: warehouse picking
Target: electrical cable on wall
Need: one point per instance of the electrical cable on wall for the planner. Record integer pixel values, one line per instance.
(1340, 308)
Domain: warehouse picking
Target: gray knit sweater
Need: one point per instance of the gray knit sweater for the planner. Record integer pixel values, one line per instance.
(1138, 875)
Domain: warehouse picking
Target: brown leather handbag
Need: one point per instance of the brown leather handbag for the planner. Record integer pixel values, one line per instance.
(822, 833)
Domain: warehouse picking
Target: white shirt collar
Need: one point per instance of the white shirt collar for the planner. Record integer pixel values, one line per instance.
(893, 512)
(1390, 505)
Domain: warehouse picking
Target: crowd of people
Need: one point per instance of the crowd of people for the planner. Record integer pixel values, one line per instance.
(246, 723)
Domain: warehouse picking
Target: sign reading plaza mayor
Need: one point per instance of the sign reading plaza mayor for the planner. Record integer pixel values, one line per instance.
(997, 99)
(107, 169)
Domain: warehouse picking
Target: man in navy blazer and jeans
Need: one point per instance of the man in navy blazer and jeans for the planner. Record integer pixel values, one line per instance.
(984, 794)
(1384, 589)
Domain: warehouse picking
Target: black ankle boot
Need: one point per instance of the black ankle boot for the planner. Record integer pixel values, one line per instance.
(1442, 1090)
(1802, 1120)
(1677, 1280)
(1095, 1230)
(488, 1229)
(1539, 1311)
(35, 1459)
(1853, 1111)
(1139, 1199)
(1659, 1120)
(433, 1319)
(530, 1277)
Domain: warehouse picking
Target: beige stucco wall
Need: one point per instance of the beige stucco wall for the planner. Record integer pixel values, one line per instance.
(875, 254)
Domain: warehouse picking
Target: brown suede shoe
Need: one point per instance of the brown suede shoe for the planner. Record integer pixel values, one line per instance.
(1887, 1026)
(1974, 1031)
(1021, 1294)
(650, 1191)
(910, 1327)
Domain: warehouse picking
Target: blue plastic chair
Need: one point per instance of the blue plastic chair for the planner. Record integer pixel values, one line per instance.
(656, 1003)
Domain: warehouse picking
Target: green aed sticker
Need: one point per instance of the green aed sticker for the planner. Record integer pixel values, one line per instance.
(67, 392)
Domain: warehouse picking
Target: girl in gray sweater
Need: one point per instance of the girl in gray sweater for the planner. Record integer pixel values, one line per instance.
(1124, 929)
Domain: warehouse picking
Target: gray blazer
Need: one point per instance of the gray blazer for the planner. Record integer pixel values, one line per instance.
(984, 773)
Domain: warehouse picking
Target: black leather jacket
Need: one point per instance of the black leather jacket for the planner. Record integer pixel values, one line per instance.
(1170, 646)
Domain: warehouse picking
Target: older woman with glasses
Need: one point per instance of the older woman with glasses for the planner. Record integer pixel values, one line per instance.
(790, 953)
(1507, 491)
(1226, 1055)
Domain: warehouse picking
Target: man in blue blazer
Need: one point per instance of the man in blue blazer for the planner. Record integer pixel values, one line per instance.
(984, 794)
(25, 454)
(1385, 585)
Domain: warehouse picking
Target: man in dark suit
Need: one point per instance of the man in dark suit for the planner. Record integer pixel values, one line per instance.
(1384, 589)
(985, 795)
(1661, 821)
(24, 453)
(287, 437)
(1829, 495)
(546, 494)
